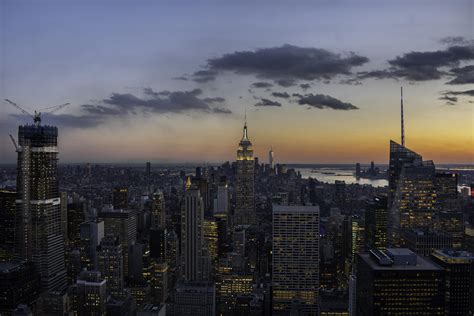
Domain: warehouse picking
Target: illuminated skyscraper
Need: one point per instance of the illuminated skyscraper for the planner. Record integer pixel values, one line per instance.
(120, 198)
(110, 262)
(38, 223)
(398, 282)
(399, 155)
(123, 224)
(244, 185)
(414, 202)
(89, 294)
(459, 267)
(295, 259)
(158, 215)
(196, 261)
(376, 223)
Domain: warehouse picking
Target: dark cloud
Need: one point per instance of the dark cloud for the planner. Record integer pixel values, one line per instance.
(266, 102)
(462, 75)
(183, 78)
(288, 62)
(351, 81)
(149, 91)
(455, 40)
(203, 76)
(305, 86)
(261, 84)
(423, 66)
(297, 95)
(154, 102)
(448, 98)
(284, 95)
(286, 82)
(100, 110)
(321, 101)
(65, 120)
(469, 93)
(222, 111)
(214, 100)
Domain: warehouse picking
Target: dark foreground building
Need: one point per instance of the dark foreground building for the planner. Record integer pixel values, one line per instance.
(398, 282)
(459, 270)
(19, 284)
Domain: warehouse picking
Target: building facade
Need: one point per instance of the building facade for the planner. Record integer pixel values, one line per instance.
(245, 183)
(295, 259)
(38, 222)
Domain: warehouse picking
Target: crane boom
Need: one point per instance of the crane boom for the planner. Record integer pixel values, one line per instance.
(14, 142)
(57, 108)
(37, 115)
(18, 107)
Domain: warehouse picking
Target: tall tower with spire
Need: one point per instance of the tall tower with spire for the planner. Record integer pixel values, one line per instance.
(402, 120)
(271, 157)
(244, 186)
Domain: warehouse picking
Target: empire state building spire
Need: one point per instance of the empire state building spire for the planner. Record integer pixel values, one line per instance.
(245, 136)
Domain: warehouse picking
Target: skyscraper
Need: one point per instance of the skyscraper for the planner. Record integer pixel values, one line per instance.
(271, 158)
(399, 155)
(459, 267)
(295, 259)
(91, 235)
(110, 263)
(90, 294)
(123, 224)
(414, 202)
(195, 262)
(7, 224)
(38, 226)
(221, 203)
(398, 282)
(376, 222)
(120, 198)
(244, 183)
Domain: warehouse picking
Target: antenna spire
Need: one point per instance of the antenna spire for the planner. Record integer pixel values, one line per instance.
(401, 116)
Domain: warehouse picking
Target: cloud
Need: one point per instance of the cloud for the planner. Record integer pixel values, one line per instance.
(221, 111)
(351, 81)
(183, 78)
(288, 62)
(284, 95)
(463, 75)
(214, 100)
(286, 82)
(455, 40)
(469, 93)
(154, 102)
(423, 66)
(321, 101)
(261, 84)
(305, 86)
(448, 98)
(65, 120)
(266, 102)
(203, 76)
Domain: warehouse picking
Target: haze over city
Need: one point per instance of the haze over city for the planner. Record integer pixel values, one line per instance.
(170, 81)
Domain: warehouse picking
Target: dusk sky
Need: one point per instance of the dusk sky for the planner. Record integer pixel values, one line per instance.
(170, 81)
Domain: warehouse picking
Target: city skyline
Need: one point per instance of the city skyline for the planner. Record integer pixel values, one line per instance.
(139, 94)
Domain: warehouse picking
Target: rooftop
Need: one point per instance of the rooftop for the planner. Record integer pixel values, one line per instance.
(401, 259)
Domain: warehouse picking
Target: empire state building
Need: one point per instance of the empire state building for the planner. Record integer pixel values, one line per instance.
(244, 186)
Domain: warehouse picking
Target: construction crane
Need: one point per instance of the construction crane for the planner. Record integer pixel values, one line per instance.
(37, 116)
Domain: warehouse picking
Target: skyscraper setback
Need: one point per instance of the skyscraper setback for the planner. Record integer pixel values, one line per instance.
(38, 225)
(245, 183)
